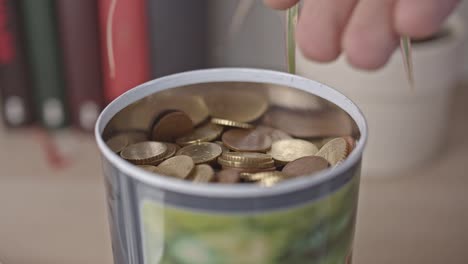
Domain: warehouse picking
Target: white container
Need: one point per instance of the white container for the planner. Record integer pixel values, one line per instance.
(406, 127)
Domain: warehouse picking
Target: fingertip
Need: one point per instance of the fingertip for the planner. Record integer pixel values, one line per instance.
(360, 53)
(316, 45)
(280, 4)
(410, 21)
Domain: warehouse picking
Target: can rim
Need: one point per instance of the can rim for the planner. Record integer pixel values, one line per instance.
(231, 75)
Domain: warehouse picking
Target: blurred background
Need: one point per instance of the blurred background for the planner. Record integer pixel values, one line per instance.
(62, 61)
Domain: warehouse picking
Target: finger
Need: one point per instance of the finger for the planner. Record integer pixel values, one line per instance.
(369, 38)
(280, 4)
(320, 27)
(421, 18)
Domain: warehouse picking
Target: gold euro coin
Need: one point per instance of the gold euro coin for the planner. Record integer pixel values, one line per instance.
(171, 151)
(275, 134)
(254, 177)
(205, 133)
(144, 152)
(117, 143)
(230, 123)
(223, 147)
(287, 150)
(334, 151)
(170, 125)
(270, 181)
(201, 152)
(305, 166)
(203, 173)
(135, 136)
(178, 166)
(247, 157)
(247, 140)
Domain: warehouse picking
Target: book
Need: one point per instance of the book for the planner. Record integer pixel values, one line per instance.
(79, 39)
(44, 57)
(15, 89)
(124, 45)
(178, 35)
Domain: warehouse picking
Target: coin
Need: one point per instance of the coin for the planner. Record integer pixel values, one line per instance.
(230, 123)
(239, 164)
(201, 152)
(287, 150)
(305, 166)
(223, 147)
(253, 177)
(270, 181)
(228, 176)
(236, 105)
(309, 124)
(246, 140)
(171, 151)
(274, 133)
(117, 143)
(149, 168)
(334, 151)
(171, 125)
(178, 166)
(136, 136)
(203, 173)
(194, 106)
(247, 157)
(144, 152)
(205, 133)
(350, 144)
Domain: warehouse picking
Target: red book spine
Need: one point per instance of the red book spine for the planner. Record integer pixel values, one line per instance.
(81, 53)
(15, 85)
(124, 45)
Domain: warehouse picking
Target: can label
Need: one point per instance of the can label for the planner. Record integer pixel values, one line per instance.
(318, 232)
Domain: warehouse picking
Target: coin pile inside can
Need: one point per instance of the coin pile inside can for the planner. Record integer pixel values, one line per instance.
(234, 138)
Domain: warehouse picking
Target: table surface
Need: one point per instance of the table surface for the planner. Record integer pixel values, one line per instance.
(59, 216)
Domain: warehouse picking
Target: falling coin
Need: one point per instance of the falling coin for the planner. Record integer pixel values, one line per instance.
(334, 151)
(206, 133)
(117, 143)
(203, 173)
(230, 123)
(171, 125)
(305, 166)
(287, 150)
(246, 140)
(228, 176)
(201, 152)
(144, 152)
(178, 166)
(309, 124)
(240, 106)
(135, 136)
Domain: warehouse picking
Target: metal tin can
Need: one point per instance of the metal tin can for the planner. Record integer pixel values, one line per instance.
(156, 219)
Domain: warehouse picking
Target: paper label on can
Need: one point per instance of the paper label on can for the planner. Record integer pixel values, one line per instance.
(318, 232)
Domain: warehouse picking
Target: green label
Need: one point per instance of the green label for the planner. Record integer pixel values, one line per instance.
(319, 232)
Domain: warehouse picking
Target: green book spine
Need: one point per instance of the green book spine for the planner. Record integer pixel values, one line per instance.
(46, 66)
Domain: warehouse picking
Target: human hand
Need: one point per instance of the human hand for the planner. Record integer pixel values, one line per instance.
(366, 31)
